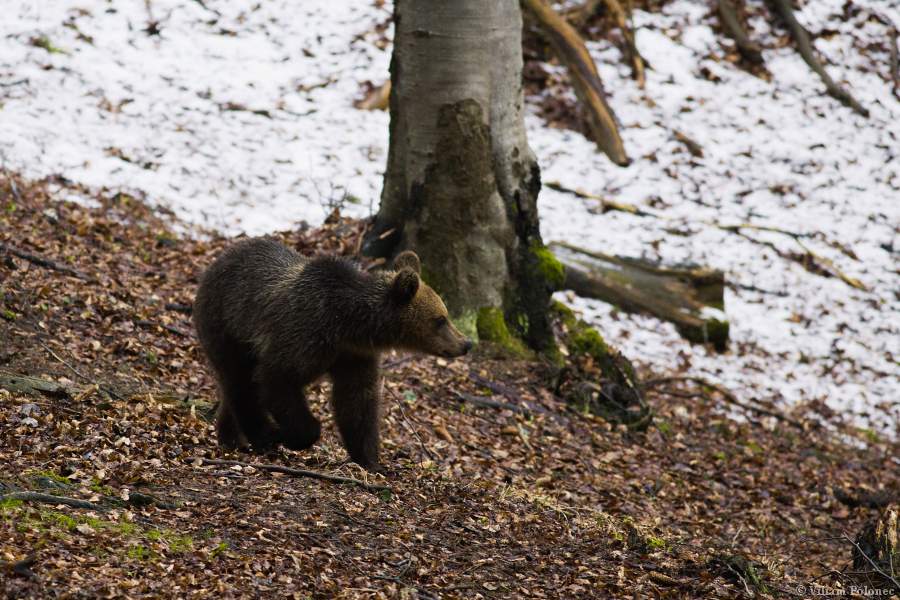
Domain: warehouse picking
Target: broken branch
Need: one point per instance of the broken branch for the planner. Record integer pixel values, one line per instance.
(44, 262)
(571, 51)
(50, 499)
(727, 396)
(294, 472)
(804, 47)
(489, 403)
(731, 23)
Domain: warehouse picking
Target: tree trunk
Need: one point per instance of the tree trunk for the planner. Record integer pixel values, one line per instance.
(461, 183)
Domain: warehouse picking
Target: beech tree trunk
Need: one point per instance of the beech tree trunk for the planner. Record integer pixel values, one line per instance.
(461, 183)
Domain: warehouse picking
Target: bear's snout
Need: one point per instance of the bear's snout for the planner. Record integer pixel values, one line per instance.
(467, 346)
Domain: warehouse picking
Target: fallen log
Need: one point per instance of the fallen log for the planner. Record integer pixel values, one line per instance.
(571, 51)
(690, 297)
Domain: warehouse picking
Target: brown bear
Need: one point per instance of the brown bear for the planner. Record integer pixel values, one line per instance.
(272, 321)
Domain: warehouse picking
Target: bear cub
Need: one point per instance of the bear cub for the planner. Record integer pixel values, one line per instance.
(272, 321)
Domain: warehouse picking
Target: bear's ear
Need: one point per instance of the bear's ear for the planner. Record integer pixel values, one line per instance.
(408, 260)
(405, 286)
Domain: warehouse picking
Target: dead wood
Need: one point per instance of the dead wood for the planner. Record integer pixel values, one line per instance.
(50, 499)
(169, 328)
(490, 403)
(44, 262)
(579, 15)
(804, 47)
(295, 472)
(865, 498)
(731, 23)
(632, 55)
(727, 396)
(25, 384)
(876, 550)
(809, 260)
(22, 567)
(571, 51)
(606, 204)
(377, 99)
(895, 61)
(693, 147)
(691, 297)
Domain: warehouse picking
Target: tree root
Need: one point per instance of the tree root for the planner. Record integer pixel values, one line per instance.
(295, 472)
(804, 47)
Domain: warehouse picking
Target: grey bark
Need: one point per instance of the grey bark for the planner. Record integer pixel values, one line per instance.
(461, 182)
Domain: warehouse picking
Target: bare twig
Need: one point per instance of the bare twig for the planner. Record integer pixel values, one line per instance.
(12, 83)
(50, 499)
(294, 472)
(205, 7)
(731, 23)
(895, 61)
(727, 396)
(606, 204)
(826, 265)
(874, 565)
(804, 47)
(44, 262)
(489, 403)
(408, 424)
(169, 328)
(693, 147)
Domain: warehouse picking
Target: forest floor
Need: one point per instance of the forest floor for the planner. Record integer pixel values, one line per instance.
(526, 498)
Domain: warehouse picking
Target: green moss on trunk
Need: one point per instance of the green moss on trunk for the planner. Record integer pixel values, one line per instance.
(492, 328)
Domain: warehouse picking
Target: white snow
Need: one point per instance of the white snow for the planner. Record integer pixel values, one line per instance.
(776, 153)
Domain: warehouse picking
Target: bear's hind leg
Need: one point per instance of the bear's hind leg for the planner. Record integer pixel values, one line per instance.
(281, 393)
(355, 400)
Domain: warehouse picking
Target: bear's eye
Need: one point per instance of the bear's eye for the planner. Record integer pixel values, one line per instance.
(440, 321)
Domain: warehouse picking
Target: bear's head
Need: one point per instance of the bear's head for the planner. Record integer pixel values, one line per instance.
(424, 322)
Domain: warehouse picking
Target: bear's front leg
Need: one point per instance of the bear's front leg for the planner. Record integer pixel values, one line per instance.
(356, 403)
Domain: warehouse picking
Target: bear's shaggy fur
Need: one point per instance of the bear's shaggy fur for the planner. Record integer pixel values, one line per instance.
(272, 321)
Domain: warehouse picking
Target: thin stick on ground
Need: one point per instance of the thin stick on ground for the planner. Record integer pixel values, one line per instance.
(804, 47)
(731, 23)
(44, 262)
(727, 396)
(874, 565)
(408, 424)
(50, 499)
(295, 472)
(895, 61)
